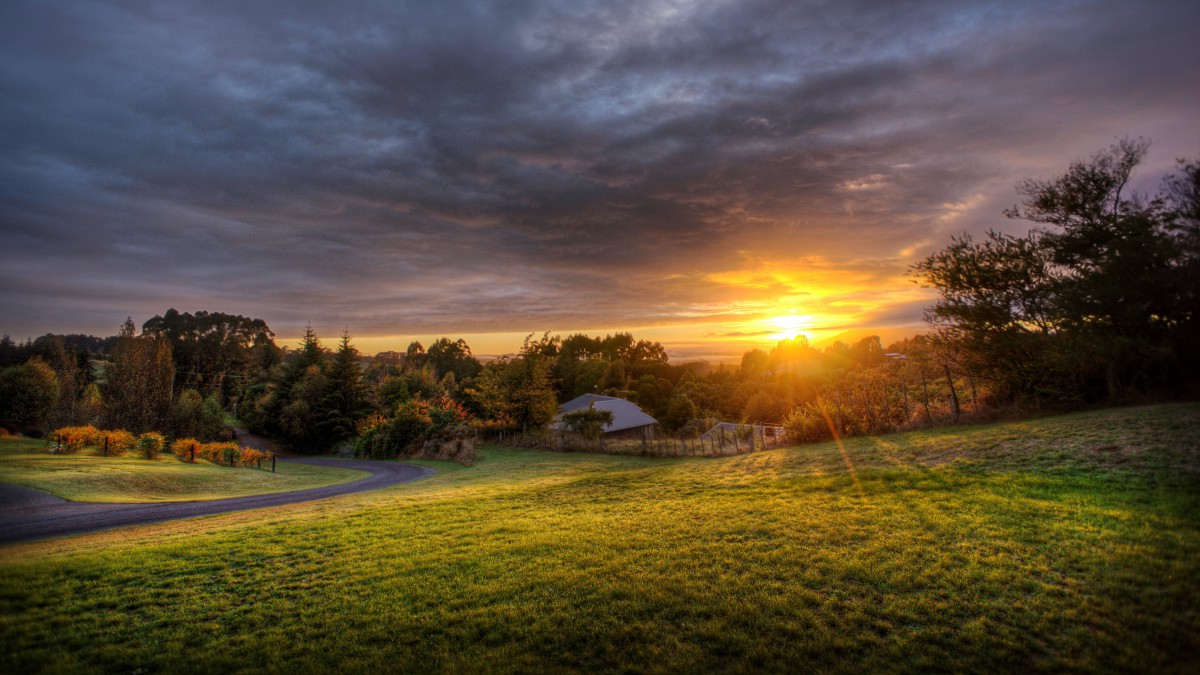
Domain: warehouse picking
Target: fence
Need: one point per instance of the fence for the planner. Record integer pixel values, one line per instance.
(741, 440)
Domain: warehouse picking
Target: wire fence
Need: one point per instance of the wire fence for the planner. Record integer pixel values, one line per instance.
(731, 439)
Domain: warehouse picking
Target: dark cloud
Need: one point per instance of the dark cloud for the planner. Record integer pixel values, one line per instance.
(468, 167)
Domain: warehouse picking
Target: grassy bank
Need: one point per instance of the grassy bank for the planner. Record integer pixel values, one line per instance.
(86, 476)
(1068, 543)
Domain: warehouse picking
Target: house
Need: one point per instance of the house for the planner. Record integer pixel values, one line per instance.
(629, 421)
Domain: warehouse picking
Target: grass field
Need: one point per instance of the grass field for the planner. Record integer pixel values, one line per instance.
(1065, 544)
(86, 476)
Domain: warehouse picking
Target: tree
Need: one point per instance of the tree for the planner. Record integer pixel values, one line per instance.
(139, 382)
(1089, 304)
(453, 357)
(294, 370)
(211, 348)
(680, 411)
(28, 394)
(296, 418)
(193, 416)
(344, 399)
(517, 392)
(415, 356)
(588, 422)
(1183, 201)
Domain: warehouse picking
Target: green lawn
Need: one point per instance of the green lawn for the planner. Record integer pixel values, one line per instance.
(86, 476)
(1063, 544)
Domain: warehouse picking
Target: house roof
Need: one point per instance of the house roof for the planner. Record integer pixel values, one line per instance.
(626, 414)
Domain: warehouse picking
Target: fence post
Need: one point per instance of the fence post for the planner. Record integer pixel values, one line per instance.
(953, 394)
(193, 453)
(58, 444)
(974, 393)
(272, 462)
(106, 446)
(925, 390)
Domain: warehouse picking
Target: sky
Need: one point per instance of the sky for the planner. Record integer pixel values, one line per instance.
(714, 175)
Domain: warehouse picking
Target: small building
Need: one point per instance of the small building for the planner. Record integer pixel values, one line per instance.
(629, 421)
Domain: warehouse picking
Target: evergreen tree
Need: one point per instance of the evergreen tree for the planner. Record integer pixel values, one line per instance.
(295, 369)
(344, 399)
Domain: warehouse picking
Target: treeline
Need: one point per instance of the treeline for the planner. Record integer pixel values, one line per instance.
(181, 373)
(137, 382)
(424, 399)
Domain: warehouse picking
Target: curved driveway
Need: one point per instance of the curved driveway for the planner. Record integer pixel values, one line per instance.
(29, 514)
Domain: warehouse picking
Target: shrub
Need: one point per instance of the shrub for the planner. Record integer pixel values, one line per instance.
(383, 438)
(415, 423)
(217, 453)
(71, 439)
(251, 456)
(807, 424)
(150, 444)
(230, 453)
(457, 449)
(182, 447)
(119, 441)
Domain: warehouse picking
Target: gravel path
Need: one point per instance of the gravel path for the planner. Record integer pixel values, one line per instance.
(27, 514)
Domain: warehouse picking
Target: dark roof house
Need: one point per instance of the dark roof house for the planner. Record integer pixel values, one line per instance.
(628, 418)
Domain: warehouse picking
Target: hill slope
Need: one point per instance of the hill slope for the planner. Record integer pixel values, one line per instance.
(1064, 543)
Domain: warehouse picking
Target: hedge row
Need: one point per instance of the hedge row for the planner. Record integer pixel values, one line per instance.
(150, 444)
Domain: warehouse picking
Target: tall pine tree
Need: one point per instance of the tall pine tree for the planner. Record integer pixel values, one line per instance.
(344, 400)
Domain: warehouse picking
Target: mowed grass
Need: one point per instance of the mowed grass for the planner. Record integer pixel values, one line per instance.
(87, 476)
(1062, 544)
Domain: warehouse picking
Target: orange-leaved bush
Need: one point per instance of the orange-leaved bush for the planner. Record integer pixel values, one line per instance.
(71, 439)
(182, 447)
(118, 442)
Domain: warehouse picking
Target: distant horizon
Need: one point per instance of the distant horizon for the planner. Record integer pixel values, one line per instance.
(716, 349)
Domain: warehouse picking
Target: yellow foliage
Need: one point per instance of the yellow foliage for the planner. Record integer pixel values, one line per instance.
(119, 441)
(71, 439)
(182, 447)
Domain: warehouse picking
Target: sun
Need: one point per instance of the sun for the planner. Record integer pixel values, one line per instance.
(790, 326)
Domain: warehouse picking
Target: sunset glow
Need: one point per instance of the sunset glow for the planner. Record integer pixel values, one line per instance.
(624, 167)
(790, 326)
